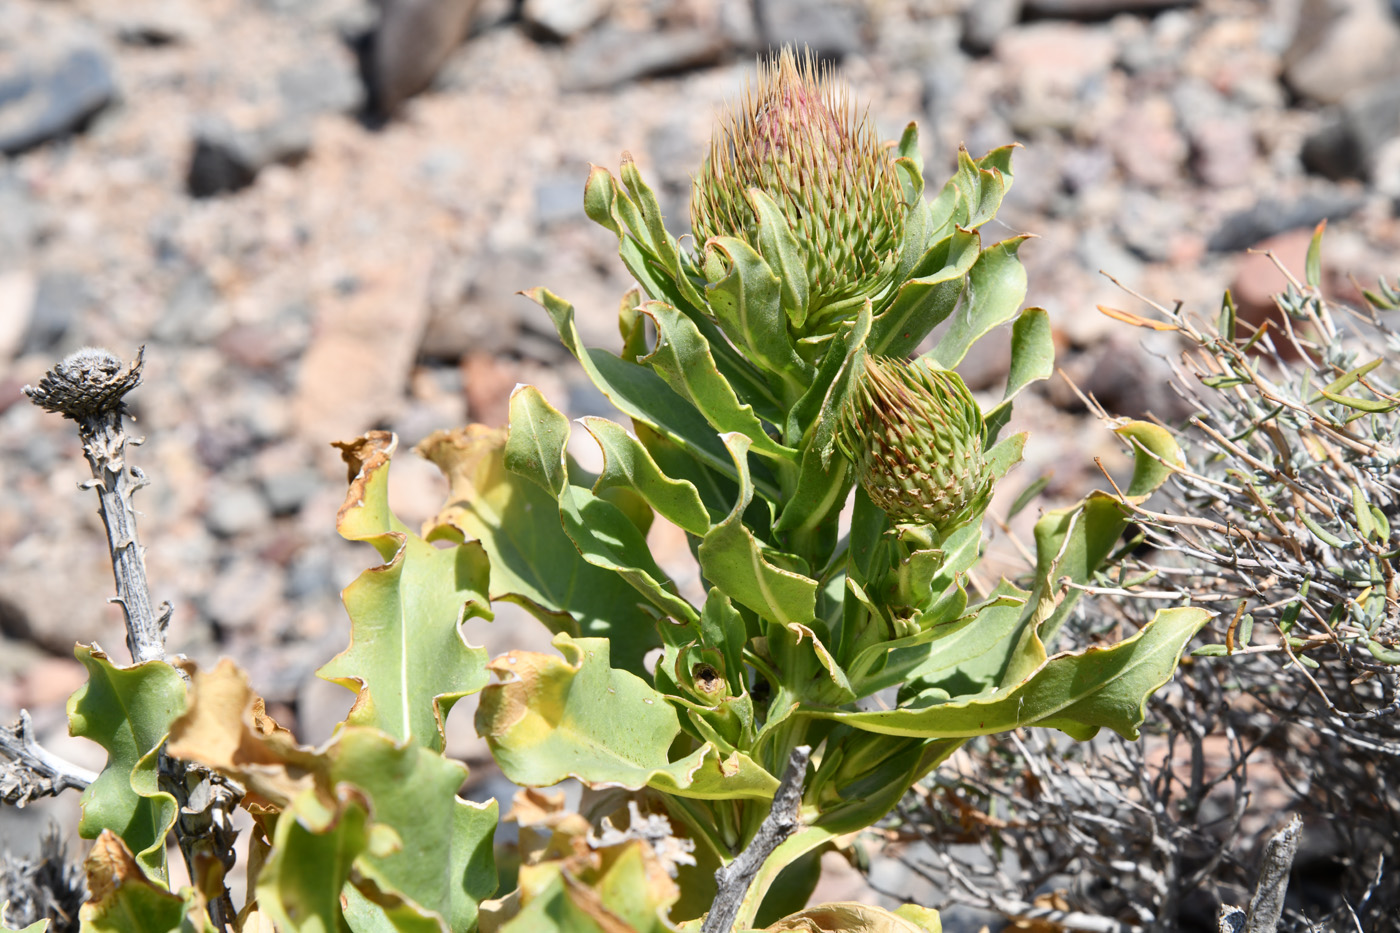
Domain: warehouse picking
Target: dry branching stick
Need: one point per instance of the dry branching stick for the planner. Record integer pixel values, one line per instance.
(781, 822)
(89, 387)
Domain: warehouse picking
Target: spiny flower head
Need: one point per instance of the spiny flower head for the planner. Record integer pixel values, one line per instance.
(914, 433)
(797, 137)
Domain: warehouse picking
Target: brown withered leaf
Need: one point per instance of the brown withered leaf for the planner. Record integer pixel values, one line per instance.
(226, 728)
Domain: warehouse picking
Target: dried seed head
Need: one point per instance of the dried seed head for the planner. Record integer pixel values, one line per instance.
(914, 433)
(796, 136)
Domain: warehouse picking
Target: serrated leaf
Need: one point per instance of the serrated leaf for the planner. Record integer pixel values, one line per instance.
(128, 711)
(1156, 456)
(628, 464)
(996, 286)
(682, 358)
(533, 562)
(122, 899)
(1076, 692)
(552, 718)
(927, 297)
(408, 662)
(603, 534)
(746, 297)
(731, 559)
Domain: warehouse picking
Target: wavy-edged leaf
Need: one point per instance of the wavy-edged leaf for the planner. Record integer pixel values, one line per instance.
(629, 465)
(128, 711)
(602, 532)
(1078, 692)
(996, 286)
(407, 661)
(443, 863)
(122, 899)
(855, 917)
(731, 559)
(927, 297)
(314, 847)
(682, 358)
(533, 562)
(551, 718)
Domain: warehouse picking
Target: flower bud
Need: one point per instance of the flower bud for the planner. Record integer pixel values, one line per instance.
(914, 433)
(797, 137)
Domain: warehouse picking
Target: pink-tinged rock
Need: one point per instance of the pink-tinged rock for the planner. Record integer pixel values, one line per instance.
(367, 335)
(1055, 58)
(1147, 144)
(1223, 151)
(1341, 46)
(1257, 279)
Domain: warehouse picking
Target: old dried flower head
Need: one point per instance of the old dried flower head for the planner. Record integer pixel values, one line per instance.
(914, 433)
(796, 137)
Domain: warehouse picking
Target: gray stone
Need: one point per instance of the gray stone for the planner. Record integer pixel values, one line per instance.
(234, 510)
(1340, 47)
(1346, 145)
(1098, 9)
(48, 91)
(187, 317)
(288, 490)
(412, 42)
(609, 56)
(830, 28)
(227, 156)
(17, 222)
(562, 19)
(558, 200)
(58, 301)
(983, 22)
(1267, 218)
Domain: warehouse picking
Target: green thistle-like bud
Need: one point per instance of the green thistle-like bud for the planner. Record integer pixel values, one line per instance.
(914, 433)
(797, 138)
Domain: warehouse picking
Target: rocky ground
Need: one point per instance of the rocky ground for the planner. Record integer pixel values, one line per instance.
(306, 251)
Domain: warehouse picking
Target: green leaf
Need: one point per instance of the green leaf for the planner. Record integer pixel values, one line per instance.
(627, 464)
(817, 412)
(603, 534)
(550, 719)
(995, 289)
(1032, 360)
(1349, 378)
(1077, 692)
(1072, 543)
(128, 711)
(746, 297)
(533, 562)
(1156, 456)
(123, 899)
(1005, 455)
(1027, 495)
(313, 849)
(780, 250)
(443, 862)
(643, 395)
(927, 297)
(682, 358)
(1322, 534)
(1313, 266)
(730, 558)
(1368, 405)
(981, 186)
(408, 661)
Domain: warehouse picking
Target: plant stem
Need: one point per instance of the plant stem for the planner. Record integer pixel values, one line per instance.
(33, 771)
(735, 878)
(89, 387)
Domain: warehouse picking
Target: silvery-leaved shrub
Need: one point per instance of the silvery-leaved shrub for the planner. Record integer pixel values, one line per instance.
(784, 407)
